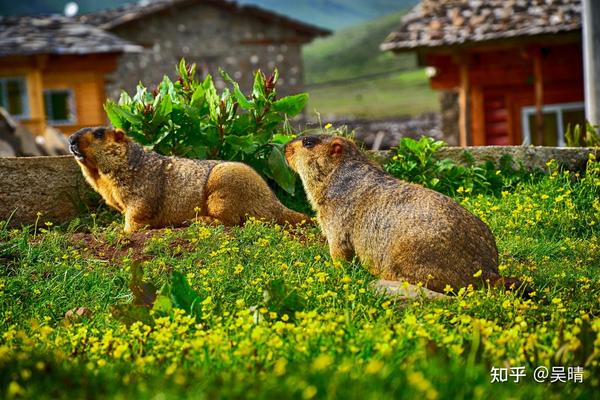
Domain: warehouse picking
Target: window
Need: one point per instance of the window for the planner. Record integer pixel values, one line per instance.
(557, 117)
(13, 96)
(59, 105)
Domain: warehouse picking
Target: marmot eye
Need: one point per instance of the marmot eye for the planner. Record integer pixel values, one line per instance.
(99, 133)
(309, 142)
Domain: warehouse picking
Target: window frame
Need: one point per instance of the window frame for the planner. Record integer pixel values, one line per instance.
(557, 109)
(71, 100)
(24, 98)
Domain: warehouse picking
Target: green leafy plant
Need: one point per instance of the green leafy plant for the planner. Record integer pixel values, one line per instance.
(148, 302)
(414, 161)
(190, 118)
(586, 136)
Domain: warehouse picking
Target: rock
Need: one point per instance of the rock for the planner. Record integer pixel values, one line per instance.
(404, 290)
(390, 130)
(53, 186)
(6, 149)
(17, 136)
(55, 142)
(78, 313)
(532, 157)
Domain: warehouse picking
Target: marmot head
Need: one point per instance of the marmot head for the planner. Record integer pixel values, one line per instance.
(319, 155)
(98, 148)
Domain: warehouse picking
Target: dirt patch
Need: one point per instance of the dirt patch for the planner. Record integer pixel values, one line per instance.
(132, 246)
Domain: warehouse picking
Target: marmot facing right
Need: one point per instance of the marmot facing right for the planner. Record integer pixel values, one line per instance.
(399, 230)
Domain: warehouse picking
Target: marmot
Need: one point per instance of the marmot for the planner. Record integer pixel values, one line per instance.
(398, 230)
(157, 191)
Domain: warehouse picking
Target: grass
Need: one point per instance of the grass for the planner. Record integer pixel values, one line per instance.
(379, 92)
(342, 340)
(355, 52)
(399, 95)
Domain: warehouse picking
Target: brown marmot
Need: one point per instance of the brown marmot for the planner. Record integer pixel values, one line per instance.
(398, 230)
(157, 191)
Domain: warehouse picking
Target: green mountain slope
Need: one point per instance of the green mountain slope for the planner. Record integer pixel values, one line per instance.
(349, 77)
(354, 52)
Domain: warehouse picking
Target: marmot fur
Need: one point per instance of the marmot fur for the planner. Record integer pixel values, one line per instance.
(157, 191)
(399, 230)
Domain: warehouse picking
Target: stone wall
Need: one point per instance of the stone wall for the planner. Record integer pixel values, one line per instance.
(450, 113)
(211, 37)
(55, 186)
(532, 157)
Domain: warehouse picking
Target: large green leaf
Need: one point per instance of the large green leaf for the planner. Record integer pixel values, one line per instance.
(122, 114)
(184, 297)
(280, 138)
(258, 88)
(280, 171)
(113, 114)
(291, 105)
(162, 111)
(245, 144)
(198, 97)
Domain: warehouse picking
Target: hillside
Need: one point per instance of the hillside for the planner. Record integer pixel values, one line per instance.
(349, 77)
(354, 52)
(332, 14)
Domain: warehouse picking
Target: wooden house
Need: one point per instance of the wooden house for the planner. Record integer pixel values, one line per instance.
(53, 69)
(516, 66)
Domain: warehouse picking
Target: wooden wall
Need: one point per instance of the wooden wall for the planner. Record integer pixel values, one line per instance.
(83, 75)
(501, 81)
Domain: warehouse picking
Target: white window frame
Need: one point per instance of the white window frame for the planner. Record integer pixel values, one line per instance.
(73, 119)
(557, 109)
(24, 98)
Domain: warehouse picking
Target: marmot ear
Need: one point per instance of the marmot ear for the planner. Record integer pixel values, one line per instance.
(119, 135)
(337, 147)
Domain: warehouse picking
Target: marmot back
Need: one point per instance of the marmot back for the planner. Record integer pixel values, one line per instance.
(157, 191)
(399, 230)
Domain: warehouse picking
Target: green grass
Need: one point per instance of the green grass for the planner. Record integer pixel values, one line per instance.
(342, 341)
(354, 52)
(379, 92)
(399, 95)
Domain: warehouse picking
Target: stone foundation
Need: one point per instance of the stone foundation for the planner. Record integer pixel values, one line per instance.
(55, 187)
(52, 186)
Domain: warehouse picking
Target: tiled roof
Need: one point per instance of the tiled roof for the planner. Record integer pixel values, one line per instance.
(434, 23)
(111, 18)
(56, 35)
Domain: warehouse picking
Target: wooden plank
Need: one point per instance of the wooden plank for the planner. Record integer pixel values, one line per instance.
(36, 102)
(538, 85)
(463, 102)
(477, 117)
(514, 136)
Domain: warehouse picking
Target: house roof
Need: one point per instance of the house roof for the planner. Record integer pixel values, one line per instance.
(56, 35)
(436, 23)
(111, 18)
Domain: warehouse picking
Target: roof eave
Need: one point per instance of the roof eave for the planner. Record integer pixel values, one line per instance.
(565, 35)
(299, 26)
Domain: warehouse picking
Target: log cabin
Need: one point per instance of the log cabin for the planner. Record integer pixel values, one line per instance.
(53, 69)
(514, 67)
